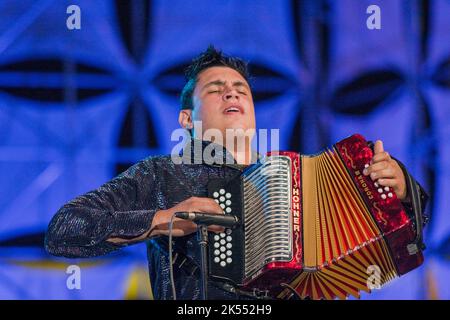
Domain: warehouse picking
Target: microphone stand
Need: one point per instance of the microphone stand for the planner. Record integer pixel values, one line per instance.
(203, 220)
(202, 238)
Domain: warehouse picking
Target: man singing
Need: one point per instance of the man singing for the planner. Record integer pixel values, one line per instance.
(138, 204)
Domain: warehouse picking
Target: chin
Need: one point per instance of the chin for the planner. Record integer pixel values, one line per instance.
(241, 130)
(236, 124)
(236, 127)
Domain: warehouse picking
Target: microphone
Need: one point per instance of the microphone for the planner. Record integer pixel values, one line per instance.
(223, 220)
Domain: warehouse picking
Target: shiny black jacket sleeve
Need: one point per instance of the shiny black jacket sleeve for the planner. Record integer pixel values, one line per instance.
(123, 207)
(422, 194)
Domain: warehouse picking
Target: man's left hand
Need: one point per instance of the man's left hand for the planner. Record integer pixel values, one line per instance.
(386, 171)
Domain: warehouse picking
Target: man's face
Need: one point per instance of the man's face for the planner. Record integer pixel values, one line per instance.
(222, 100)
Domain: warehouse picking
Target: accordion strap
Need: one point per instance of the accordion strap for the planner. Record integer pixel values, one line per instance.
(416, 204)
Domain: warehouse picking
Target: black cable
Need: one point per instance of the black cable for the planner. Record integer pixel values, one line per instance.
(290, 288)
(174, 293)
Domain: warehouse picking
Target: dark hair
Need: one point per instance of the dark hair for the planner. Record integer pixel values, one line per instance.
(210, 58)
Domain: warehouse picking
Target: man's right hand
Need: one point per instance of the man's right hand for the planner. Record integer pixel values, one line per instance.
(181, 227)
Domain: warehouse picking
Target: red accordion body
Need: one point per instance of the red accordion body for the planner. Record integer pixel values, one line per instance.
(329, 275)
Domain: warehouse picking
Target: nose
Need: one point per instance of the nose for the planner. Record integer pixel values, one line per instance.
(230, 95)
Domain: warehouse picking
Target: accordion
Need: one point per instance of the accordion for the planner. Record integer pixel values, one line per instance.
(314, 224)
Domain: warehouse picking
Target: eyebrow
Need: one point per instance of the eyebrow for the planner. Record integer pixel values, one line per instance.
(222, 83)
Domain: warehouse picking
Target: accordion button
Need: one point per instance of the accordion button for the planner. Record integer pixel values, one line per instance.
(222, 199)
(222, 191)
(223, 249)
(228, 210)
(380, 190)
(390, 195)
(228, 202)
(222, 241)
(222, 234)
(216, 244)
(386, 188)
(376, 185)
(229, 253)
(216, 252)
(229, 260)
(216, 259)
(383, 196)
(216, 200)
(228, 195)
(216, 238)
(229, 245)
(223, 263)
(216, 194)
(222, 256)
(228, 231)
(229, 238)
(366, 165)
(222, 206)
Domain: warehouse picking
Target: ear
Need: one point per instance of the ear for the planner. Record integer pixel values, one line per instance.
(185, 119)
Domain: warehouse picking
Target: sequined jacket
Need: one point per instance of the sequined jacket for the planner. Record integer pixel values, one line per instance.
(125, 206)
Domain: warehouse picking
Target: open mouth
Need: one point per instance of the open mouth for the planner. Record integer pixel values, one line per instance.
(233, 109)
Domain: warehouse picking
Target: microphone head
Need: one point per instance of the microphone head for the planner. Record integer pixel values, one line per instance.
(182, 215)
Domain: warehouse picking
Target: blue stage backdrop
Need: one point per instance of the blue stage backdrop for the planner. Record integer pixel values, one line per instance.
(79, 106)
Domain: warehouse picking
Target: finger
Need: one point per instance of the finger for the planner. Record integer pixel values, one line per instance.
(178, 232)
(216, 229)
(179, 226)
(206, 205)
(383, 174)
(385, 182)
(210, 205)
(378, 148)
(383, 156)
(396, 185)
(376, 167)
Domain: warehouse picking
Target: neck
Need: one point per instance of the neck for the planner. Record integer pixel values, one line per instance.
(240, 147)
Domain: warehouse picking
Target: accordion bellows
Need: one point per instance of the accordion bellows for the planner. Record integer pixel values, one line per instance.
(315, 223)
